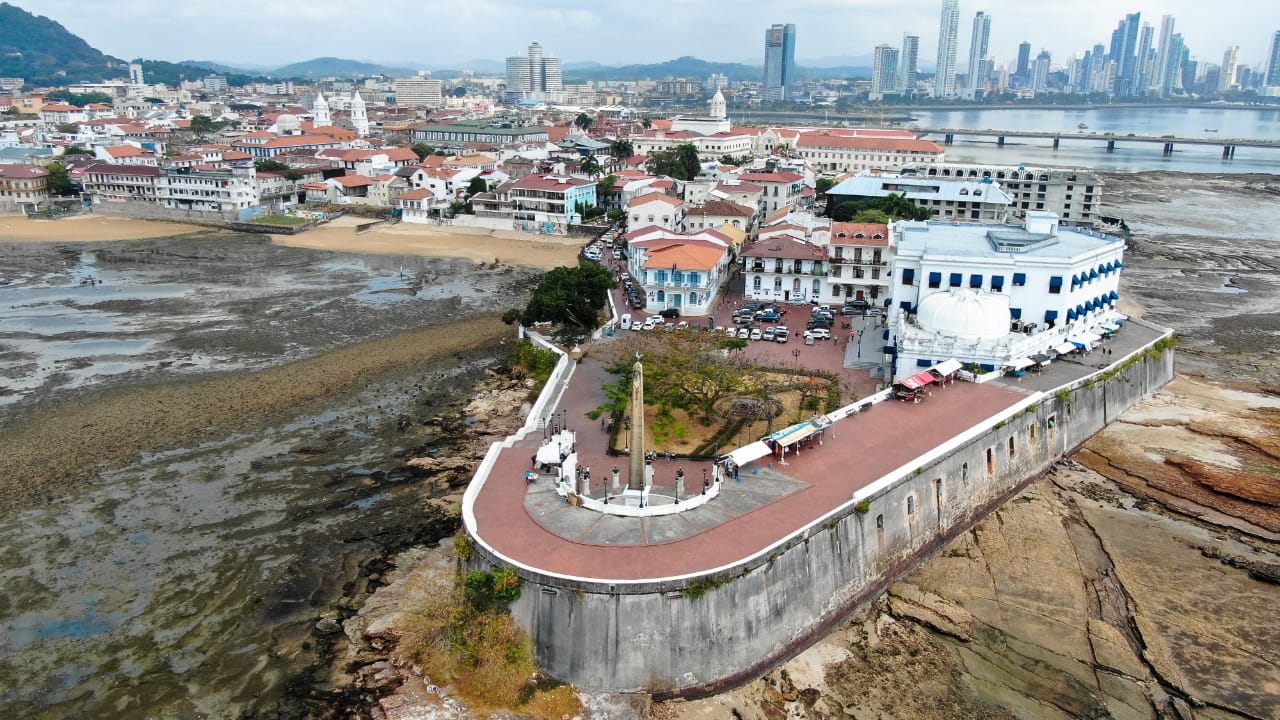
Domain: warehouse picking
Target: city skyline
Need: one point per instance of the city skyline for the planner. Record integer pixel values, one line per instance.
(583, 31)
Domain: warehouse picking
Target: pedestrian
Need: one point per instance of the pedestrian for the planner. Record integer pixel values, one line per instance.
(533, 460)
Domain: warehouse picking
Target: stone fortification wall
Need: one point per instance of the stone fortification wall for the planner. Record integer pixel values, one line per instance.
(694, 636)
(155, 211)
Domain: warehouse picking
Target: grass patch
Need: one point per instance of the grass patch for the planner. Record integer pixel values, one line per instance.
(282, 220)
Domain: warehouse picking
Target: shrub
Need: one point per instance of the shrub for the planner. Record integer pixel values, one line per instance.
(863, 507)
(506, 585)
(464, 548)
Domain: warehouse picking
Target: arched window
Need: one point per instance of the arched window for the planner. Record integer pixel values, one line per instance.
(911, 504)
(755, 282)
(693, 298)
(662, 296)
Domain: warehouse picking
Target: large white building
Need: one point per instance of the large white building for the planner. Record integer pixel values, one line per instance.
(419, 92)
(847, 151)
(992, 295)
(884, 72)
(1073, 194)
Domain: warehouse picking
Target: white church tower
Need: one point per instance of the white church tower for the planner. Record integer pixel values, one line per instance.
(717, 106)
(320, 111)
(359, 119)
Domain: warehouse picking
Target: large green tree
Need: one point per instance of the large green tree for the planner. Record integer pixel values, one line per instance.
(680, 162)
(570, 296)
(622, 149)
(59, 182)
(583, 122)
(894, 206)
(201, 125)
(590, 166)
(422, 150)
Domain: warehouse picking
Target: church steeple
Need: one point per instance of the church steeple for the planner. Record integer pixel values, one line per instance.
(359, 119)
(717, 106)
(320, 111)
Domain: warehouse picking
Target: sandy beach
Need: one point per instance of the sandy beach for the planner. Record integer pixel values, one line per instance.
(480, 245)
(86, 228)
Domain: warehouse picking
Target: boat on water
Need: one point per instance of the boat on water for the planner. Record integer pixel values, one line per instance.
(1082, 126)
(1211, 129)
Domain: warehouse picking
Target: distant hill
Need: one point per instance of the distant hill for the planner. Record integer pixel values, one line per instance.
(339, 67)
(684, 67)
(45, 53)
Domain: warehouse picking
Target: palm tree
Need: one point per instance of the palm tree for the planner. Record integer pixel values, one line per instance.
(583, 121)
(646, 123)
(591, 166)
(622, 149)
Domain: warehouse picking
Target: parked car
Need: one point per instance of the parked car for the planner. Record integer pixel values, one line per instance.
(743, 333)
(780, 335)
(625, 321)
(823, 309)
(875, 312)
(670, 313)
(650, 323)
(756, 334)
(819, 334)
(767, 335)
(768, 316)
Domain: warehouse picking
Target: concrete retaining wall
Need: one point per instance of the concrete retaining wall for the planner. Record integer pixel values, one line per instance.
(696, 636)
(154, 211)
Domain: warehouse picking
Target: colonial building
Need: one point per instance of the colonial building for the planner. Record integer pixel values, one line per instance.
(780, 188)
(207, 190)
(835, 152)
(457, 135)
(684, 272)
(993, 295)
(718, 213)
(550, 200)
(655, 208)
(23, 186)
(956, 199)
(105, 182)
(784, 269)
(859, 255)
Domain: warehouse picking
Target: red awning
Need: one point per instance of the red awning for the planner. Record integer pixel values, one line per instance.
(918, 380)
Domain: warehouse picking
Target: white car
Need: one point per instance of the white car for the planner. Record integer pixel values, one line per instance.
(650, 323)
(756, 334)
(818, 334)
(743, 333)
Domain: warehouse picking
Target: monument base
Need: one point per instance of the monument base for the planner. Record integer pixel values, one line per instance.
(633, 498)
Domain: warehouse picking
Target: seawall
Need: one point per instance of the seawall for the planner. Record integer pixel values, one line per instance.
(693, 636)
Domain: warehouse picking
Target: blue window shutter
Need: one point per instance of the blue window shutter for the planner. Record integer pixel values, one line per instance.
(1055, 281)
(1050, 315)
(956, 279)
(1015, 313)
(997, 282)
(1019, 278)
(935, 279)
(923, 362)
(908, 276)
(975, 281)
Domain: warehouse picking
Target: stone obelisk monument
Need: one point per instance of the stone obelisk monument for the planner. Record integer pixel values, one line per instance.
(634, 494)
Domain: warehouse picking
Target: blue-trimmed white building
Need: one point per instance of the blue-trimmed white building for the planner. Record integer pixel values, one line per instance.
(995, 295)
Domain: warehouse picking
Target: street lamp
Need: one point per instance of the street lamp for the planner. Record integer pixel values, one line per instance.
(796, 354)
(626, 430)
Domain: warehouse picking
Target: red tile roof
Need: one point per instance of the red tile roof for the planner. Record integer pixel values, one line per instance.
(722, 208)
(847, 233)
(772, 177)
(785, 248)
(654, 197)
(824, 140)
(549, 182)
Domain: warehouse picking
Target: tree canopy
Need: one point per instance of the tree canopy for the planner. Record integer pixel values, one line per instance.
(894, 206)
(422, 150)
(822, 185)
(270, 166)
(570, 296)
(59, 182)
(680, 162)
(622, 149)
(583, 121)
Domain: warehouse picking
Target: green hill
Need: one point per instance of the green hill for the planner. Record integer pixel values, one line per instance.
(45, 53)
(338, 67)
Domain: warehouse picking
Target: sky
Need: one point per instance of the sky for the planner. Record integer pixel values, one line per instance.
(451, 32)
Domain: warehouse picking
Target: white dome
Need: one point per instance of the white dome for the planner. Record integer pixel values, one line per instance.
(288, 123)
(966, 314)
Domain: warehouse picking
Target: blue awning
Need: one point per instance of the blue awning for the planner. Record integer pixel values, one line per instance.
(997, 281)
(1111, 267)
(935, 278)
(1015, 313)
(1079, 345)
(975, 281)
(1050, 315)
(908, 276)
(1119, 265)
(1093, 274)
(956, 279)
(1019, 278)
(1113, 295)
(1079, 310)
(1071, 314)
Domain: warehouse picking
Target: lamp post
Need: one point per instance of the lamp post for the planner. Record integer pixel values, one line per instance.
(626, 432)
(796, 354)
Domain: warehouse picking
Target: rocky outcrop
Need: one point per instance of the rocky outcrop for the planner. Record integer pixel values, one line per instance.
(1077, 599)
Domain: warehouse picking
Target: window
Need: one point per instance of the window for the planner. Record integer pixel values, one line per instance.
(1012, 451)
(937, 493)
(997, 283)
(956, 279)
(911, 504)
(964, 471)
(755, 282)
(1015, 313)
(935, 279)
(991, 461)
(975, 281)
(1050, 317)
(1055, 285)
(908, 277)
(1031, 435)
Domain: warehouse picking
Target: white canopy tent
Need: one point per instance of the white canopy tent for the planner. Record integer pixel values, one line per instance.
(747, 453)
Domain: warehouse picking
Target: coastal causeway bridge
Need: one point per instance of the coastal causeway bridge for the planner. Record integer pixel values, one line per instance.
(688, 591)
(1108, 140)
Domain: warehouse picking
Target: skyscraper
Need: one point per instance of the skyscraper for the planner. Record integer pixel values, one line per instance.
(1126, 64)
(533, 75)
(1040, 72)
(1160, 69)
(908, 62)
(1272, 70)
(1023, 67)
(944, 84)
(884, 71)
(779, 61)
(1142, 72)
(1230, 63)
(1173, 68)
(978, 55)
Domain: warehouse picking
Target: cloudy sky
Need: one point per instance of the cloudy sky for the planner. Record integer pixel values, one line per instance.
(451, 32)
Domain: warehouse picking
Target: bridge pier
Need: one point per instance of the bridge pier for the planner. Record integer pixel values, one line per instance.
(1168, 148)
(1000, 141)
(1228, 152)
(1111, 146)
(1055, 142)
(949, 138)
